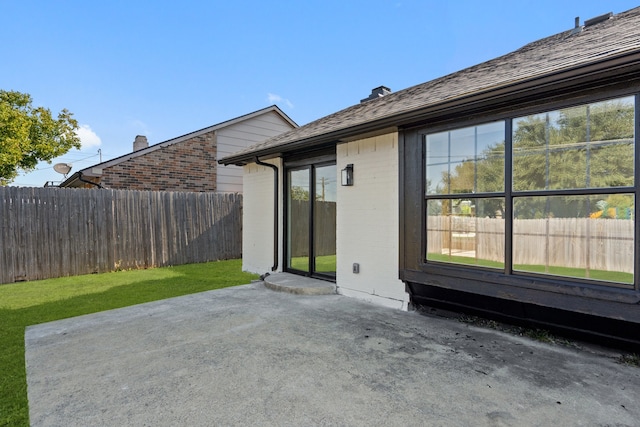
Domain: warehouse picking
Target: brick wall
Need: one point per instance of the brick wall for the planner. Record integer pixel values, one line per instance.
(257, 218)
(185, 166)
(368, 222)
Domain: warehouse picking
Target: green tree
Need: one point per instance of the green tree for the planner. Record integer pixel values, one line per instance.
(299, 193)
(30, 134)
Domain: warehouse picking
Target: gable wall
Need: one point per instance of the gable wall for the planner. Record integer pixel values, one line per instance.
(186, 166)
(239, 136)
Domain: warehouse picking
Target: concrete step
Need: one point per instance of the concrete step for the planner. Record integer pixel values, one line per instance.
(294, 284)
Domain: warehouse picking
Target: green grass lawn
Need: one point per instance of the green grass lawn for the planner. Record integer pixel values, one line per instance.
(609, 276)
(325, 263)
(464, 260)
(30, 303)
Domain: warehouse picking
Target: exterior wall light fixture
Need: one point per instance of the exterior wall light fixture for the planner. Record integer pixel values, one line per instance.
(347, 175)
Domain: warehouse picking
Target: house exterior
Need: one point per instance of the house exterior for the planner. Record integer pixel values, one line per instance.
(508, 188)
(188, 162)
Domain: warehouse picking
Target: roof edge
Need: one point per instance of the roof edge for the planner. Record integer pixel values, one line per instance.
(595, 68)
(96, 169)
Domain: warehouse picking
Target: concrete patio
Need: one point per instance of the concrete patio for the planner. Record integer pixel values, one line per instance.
(250, 356)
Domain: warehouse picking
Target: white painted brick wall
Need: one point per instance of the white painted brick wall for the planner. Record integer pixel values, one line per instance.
(368, 221)
(257, 218)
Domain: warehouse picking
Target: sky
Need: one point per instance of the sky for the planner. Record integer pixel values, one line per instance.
(164, 68)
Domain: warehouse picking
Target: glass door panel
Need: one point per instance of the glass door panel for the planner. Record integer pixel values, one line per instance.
(324, 220)
(298, 217)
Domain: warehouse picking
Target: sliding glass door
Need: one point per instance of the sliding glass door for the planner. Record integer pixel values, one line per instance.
(311, 220)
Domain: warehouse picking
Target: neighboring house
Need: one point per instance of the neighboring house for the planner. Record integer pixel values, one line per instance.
(484, 189)
(188, 162)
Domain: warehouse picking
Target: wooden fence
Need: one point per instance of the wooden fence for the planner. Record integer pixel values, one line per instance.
(599, 244)
(54, 232)
(325, 228)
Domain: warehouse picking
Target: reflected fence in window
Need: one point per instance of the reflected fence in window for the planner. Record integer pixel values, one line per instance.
(466, 240)
(575, 247)
(595, 249)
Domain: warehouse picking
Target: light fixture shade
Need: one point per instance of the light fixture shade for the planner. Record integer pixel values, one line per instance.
(347, 175)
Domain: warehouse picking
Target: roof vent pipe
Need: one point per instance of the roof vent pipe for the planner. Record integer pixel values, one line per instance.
(376, 93)
(577, 28)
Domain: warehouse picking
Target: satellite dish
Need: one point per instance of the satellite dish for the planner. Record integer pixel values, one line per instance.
(62, 168)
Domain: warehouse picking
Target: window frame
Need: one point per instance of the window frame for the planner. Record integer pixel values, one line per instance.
(500, 274)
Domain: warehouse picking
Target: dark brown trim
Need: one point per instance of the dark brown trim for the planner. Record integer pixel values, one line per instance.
(538, 282)
(621, 305)
(402, 232)
(306, 158)
(508, 208)
(605, 300)
(603, 330)
(637, 194)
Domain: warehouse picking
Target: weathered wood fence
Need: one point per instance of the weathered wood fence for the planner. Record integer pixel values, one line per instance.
(54, 232)
(601, 244)
(325, 228)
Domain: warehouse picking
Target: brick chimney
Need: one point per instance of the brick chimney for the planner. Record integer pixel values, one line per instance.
(140, 142)
(376, 93)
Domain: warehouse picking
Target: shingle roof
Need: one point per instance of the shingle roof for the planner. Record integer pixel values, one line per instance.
(619, 35)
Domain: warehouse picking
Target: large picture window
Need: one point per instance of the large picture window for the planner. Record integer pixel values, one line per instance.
(568, 200)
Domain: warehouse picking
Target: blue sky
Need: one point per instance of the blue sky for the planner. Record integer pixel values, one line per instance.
(166, 68)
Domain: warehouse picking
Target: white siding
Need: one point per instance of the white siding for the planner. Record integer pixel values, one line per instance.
(368, 222)
(238, 136)
(257, 218)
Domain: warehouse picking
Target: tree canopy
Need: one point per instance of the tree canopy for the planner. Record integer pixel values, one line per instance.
(31, 134)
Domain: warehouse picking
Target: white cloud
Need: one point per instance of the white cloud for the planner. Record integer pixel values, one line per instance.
(140, 127)
(88, 137)
(274, 99)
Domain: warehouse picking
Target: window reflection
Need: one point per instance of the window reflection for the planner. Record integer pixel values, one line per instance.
(590, 146)
(575, 236)
(298, 223)
(466, 231)
(467, 160)
(324, 219)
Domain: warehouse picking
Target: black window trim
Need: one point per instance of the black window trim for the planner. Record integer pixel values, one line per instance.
(522, 278)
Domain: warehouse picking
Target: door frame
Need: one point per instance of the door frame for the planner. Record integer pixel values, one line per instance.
(308, 162)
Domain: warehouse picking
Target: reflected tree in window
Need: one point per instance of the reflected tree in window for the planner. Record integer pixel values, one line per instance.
(590, 146)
